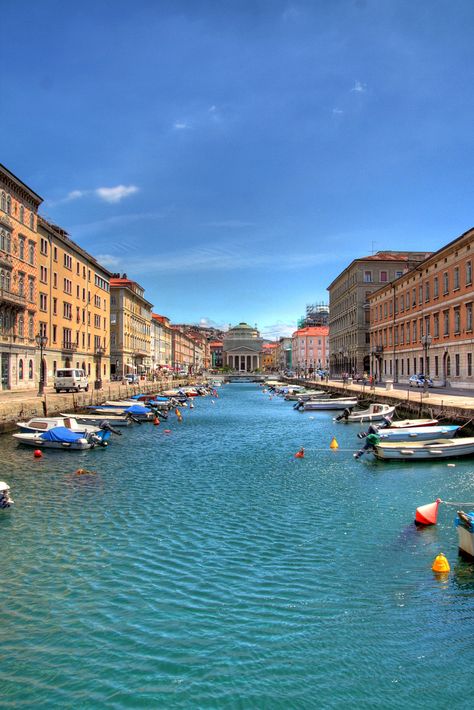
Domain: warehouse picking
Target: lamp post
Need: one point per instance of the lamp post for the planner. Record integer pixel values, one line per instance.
(41, 341)
(99, 352)
(426, 342)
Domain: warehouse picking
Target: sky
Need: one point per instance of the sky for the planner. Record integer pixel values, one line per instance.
(234, 156)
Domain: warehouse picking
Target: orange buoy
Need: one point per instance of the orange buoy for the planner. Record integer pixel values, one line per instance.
(300, 454)
(427, 514)
(167, 431)
(441, 564)
(333, 444)
(37, 454)
(156, 421)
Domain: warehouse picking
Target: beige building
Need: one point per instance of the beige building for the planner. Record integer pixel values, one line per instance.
(130, 328)
(349, 315)
(73, 306)
(161, 335)
(242, 348)
(19, 354)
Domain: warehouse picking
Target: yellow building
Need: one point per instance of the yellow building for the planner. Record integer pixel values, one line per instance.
(18, 283)
(130, 328)
(73, 299)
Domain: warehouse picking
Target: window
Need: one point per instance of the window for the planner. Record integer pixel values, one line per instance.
(468, 273)
(20, 369)
(445, 283)
(402, 303)
(32, 222)
(9, 204)
(67, 310)
(55, 306)
(31, 332)
(68, 261)
(31, 289)
(43, 329)
(456, 277)
(385, 309)
(420, 293)
(436, 325)
(55, 253)
(22, 214)
(469, 364)
(4, 202)
(367, 277)
(456, 365)
(21, 284)
(427, 325)
(67, 286)
(457, 320)
(435, 287)
(414, 331)
(407, 300)
(436, 366)
(446, 322)
(5, 241)
(469, 316)
(413, 298)
(448, 366)
(427, 291)
(55, 280)
(383, 276)
(398, 274)
(21, 242)
(407, 330)
(43, 274)
(43, 304)
(31, 252)
(44, 246)
(30, 369)
(55, 334)
(21, 326)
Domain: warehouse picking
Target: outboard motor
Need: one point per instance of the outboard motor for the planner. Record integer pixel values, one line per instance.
(105, 426)
(299, 405)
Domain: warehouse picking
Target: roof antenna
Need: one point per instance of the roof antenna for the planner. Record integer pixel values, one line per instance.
(373, 250)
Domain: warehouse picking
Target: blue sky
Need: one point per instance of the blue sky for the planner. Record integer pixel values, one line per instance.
(234, 157)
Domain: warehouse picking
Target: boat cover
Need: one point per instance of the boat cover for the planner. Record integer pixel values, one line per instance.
(60, 433)
(466, 520)
(137, 409)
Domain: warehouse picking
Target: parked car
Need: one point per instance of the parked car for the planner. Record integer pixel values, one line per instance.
(420, 381)
(132, 379)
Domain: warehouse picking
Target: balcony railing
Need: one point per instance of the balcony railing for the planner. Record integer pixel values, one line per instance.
(69, 347)
(12, 299)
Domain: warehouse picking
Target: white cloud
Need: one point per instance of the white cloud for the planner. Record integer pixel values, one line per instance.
(212, 109)
(115, 194)
(108, 260)
(180, 126)
(337, 111)
(230, 224)
(74, 195)
(359, 88)
(278, 330)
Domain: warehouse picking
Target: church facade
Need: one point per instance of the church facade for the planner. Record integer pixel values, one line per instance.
(242, 348)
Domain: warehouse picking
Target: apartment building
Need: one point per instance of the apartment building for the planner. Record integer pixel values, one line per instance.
(130, 327)
(269, 356)
(18, 283)
(422, 322)
(73, 298)
(160, 343)
(310, 349)
(349, 317)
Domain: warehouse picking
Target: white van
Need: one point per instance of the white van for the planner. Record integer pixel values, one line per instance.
(71, 379)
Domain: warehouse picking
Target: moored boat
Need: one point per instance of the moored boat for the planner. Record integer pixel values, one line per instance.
(425, 450)
(67, 421)
(465, 529)
(404, 423)
(62, 438)
(326, 404)
(98, 419)
(421, 433)
(374, 413)
(5, 500)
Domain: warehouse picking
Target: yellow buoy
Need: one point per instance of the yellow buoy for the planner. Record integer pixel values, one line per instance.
(333, 444)
(440, 564)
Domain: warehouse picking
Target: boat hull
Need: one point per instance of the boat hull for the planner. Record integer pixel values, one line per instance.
(328, 404)
(418, 433)
(465, 542)
(37, 442)
(425, 451)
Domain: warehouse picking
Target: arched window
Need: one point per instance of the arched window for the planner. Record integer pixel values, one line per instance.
(32, 221)
(31, 330)
(7, 280)
(30, 369)
(20, 369)
(21, 326)
(9, 204)
(4, 202)
(21, 285)
(22, 214)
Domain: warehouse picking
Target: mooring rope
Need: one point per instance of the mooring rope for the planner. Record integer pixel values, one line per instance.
(450, 502)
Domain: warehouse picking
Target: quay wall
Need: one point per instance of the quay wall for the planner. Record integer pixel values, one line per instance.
(15, 409)
(410, 404)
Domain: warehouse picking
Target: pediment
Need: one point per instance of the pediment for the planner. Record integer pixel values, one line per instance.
(242, 351)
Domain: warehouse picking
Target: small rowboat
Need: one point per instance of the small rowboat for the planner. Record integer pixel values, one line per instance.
(404, 423)
(425, 450)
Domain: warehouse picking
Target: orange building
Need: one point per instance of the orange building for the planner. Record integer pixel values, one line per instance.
(74, 306)
(18, 283)
(269, 356)
(422, 322)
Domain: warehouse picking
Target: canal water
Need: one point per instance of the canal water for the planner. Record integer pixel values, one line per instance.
(208, 568)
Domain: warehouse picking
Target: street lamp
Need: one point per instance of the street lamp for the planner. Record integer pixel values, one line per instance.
(426, 342)
(99, 352)
(41, 341)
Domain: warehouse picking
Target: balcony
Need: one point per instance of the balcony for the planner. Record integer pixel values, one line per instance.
(68, 347)
(6, 260)
(12, 299)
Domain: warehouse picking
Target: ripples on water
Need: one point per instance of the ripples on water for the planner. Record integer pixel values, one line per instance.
(209, 568)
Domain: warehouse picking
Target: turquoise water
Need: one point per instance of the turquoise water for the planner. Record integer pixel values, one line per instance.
(207, 568)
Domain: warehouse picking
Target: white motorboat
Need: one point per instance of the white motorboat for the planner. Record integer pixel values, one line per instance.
(5, 499)
(374, 413)
(96, 419)
(420, 433)
(327, 404)
(404, 423)
(62, 438)
(305, 395)
(425, 450)
(465, 529)
(65, 420)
